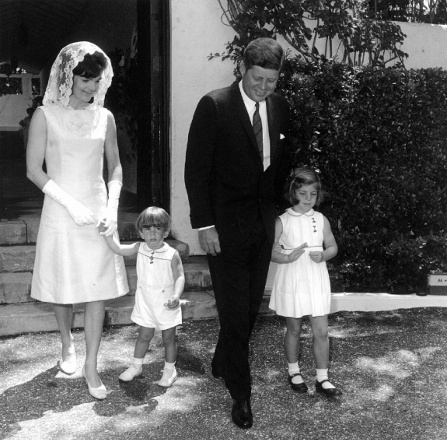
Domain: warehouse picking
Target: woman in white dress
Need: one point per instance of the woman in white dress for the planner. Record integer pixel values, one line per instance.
(72, 133)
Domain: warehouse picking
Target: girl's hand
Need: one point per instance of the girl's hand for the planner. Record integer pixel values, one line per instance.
(172, 303)
(316, 256)
(296, 253)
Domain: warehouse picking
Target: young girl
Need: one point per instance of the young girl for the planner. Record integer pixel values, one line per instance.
(160, 284)
(303, 243)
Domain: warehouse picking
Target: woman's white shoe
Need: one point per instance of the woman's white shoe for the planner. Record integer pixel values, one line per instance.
(68, 365)
(100, 392)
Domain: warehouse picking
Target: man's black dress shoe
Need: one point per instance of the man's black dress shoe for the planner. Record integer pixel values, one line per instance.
(300, 387)
(241, 414)
(329, 392)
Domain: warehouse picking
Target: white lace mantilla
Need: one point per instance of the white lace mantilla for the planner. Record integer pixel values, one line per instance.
(60, 83)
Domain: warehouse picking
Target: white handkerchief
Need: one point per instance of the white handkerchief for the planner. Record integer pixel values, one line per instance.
(281, 136)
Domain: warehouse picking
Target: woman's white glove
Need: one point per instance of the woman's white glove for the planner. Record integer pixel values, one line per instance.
(78, 212)
(110, 218)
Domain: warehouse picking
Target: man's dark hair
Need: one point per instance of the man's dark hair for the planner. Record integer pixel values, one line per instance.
(264, 52)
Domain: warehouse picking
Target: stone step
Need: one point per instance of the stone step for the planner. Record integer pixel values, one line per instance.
(15, 287)
(38, 317)
(21, 258)
(23, 230)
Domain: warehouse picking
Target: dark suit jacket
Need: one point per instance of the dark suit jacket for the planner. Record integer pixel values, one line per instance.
(226, 184)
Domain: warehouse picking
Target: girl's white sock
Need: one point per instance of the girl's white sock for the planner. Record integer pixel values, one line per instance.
(322, 374)
(138, 361)
(294, 368)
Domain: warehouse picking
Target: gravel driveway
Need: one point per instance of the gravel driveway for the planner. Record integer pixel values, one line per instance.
(391, 366)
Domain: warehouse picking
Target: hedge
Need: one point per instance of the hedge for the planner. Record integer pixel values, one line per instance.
(379, 138)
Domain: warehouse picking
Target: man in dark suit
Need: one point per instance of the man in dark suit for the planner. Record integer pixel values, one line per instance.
(236, 163)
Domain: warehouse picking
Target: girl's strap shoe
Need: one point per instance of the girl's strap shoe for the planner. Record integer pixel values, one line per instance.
(300, 387)
(329, 392)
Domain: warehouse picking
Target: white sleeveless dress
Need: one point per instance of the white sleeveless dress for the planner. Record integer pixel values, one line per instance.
(73, 263)
(155, 287)
(302, 287)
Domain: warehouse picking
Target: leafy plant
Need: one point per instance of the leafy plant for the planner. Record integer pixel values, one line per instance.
(432, 11)
(376, 134)
(8, 85)
(346, 23)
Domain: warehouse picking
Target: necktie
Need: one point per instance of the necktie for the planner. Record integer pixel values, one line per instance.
(257, 127)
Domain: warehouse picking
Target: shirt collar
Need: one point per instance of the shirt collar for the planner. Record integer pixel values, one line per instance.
(249, 103)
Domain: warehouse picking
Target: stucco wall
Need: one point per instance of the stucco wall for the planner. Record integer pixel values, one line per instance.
(196, 31)
(425, 45)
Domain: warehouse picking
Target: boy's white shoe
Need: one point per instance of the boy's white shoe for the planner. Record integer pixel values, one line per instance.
(168, 378)
(133, 371)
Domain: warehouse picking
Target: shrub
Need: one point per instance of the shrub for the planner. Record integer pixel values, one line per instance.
(378, 136)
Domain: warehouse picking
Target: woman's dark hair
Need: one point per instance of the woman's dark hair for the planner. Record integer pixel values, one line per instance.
(300, 177)
(154, 216)
(91, 66)
(264, 52)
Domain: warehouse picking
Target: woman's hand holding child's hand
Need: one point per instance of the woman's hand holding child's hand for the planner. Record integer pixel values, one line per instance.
(316, 256)
(107, 226)
(101, 227)
(296, 253)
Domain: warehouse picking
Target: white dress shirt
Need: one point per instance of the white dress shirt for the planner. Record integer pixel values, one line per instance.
(250, 105)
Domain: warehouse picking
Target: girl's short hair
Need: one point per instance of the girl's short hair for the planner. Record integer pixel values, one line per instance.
(300, 177)
(91, 66)
(154, 216)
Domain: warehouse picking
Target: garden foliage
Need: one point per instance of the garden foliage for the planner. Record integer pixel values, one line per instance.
(379, 138)
(377, 134)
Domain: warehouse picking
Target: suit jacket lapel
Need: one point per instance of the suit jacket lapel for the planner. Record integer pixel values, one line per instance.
(273, 127)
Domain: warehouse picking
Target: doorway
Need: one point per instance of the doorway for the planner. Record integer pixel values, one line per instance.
(153, 122)
(151, 168)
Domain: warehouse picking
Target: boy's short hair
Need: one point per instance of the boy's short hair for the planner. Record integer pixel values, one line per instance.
(264, 52)
(154, 216)
(300, 177)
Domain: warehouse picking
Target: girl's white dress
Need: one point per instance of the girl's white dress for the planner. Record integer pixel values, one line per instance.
(155, 287)
(302, 287)
(73, 263)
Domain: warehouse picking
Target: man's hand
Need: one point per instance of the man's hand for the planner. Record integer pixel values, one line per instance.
(209, 241)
